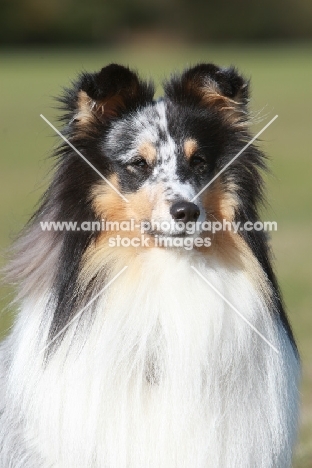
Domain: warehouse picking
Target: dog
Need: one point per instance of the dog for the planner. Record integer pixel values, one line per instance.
(151, 344)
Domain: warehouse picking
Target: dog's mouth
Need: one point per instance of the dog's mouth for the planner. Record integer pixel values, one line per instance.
(164, 234)
(171, 229)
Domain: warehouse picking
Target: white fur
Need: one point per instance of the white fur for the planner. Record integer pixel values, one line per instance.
(220, 398)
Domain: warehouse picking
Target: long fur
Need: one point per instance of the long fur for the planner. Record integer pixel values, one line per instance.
(158, 370)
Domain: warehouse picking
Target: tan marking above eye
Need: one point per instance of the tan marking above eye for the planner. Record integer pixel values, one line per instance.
(190, 147)
(148, 151)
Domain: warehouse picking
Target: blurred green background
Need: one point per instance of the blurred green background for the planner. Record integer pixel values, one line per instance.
(45, 44)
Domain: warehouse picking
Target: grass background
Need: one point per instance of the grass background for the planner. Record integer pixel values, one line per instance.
(281, 84)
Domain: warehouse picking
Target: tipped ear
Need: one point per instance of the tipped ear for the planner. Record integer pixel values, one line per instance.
(210, 86)
(108, 94)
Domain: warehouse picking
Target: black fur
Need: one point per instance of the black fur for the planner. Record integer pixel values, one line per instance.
(187, 87)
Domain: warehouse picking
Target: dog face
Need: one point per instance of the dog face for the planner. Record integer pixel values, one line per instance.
(164, 162)
(160, 154)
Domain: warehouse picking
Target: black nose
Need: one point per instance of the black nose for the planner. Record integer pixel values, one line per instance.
(184, 211)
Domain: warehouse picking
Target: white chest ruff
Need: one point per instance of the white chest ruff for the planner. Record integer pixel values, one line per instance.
(167, 376)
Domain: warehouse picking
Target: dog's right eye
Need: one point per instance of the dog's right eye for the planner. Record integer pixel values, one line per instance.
(139, 162)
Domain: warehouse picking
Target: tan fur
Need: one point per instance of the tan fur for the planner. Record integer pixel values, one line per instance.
(190, 147)
(108, 205)
(229, 246)
(148, 151)
(232, 109)
(88, 110)
(219, 204)
(85, 108)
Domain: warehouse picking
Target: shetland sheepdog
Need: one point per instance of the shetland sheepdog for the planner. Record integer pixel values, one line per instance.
(161, 347)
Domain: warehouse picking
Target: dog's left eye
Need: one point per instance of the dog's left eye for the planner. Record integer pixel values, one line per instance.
(198, 163)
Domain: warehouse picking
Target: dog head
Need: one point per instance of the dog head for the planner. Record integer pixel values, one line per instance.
(157, 157)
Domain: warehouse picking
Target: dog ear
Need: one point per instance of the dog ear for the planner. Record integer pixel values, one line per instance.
(210, 86)
(102, 96)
